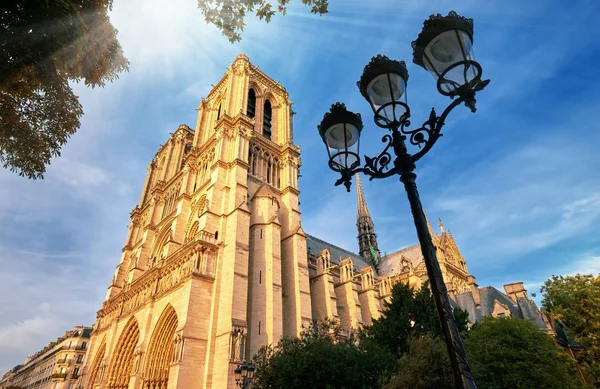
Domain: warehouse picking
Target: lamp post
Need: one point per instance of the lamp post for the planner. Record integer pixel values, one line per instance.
(244, 374)
(444, 48)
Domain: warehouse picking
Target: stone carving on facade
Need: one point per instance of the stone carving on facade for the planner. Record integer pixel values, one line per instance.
(100, 376)
(237, 343)
(178, 346)
(198, 260)
(245, 132)
(229, 132)
(405, 263)
(137, 358)
(240, 67)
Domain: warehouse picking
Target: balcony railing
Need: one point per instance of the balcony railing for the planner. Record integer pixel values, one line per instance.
(58, 376)
(75, 347)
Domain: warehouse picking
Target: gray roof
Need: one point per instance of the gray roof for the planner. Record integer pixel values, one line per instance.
(522, 309)
(391, 263)
(315, 245)
(86, 333)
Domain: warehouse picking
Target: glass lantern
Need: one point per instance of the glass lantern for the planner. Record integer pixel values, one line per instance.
(445, 49)
(251, 369)
(340, 130)
(383, 85)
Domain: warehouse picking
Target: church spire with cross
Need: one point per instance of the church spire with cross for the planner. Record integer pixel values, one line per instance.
(367, 239)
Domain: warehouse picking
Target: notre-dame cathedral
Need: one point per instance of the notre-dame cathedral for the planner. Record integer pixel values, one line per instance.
(216, 263)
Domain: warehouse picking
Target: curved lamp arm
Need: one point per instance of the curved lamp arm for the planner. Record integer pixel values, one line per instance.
(385, 165)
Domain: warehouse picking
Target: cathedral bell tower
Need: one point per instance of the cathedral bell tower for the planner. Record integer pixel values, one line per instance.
(367, 239)
(215, 262)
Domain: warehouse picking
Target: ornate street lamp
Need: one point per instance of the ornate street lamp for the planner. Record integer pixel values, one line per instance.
(444, 48)
(244, 374)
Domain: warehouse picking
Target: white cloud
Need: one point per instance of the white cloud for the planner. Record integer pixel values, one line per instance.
(28, 334)
(588, 265)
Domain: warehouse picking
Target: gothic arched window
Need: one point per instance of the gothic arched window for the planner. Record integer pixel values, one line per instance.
(219, 112)
(251, 109)
(267, 116)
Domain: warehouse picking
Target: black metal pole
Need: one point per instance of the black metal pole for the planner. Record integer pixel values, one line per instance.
(463, 379)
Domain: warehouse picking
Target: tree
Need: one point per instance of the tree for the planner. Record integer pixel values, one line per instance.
(503, 353)
(425, 366)
(409, 314)
(320, 358)
(44, 45)
(515, 353)
(575, 301)
(228, 15)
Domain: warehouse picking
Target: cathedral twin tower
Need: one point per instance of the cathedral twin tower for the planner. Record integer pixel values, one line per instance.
(216, 263)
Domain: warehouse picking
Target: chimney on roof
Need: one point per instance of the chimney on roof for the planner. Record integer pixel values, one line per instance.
(516, 290)
(474, 289)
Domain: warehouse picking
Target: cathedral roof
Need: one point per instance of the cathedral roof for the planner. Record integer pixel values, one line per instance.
(522, 308)
(391, 263)
(315, 245)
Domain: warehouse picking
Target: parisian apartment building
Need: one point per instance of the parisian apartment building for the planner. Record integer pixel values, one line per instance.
(57, 366)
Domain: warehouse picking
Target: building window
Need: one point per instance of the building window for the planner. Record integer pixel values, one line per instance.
(267, 116)
(80, 358)
(219, 112)
(251, 109)
(263, 165)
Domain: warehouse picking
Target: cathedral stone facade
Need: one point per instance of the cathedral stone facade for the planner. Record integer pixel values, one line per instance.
(216, 263)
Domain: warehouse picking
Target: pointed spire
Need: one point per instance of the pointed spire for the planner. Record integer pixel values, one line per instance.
(441, 225)
(367, 239)
(362, 204)
(433, 235)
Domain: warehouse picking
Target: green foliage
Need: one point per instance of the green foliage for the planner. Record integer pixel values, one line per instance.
(409, 314)
(425, 366)
(228, 15)
(44, 45)
(502, 353)
(404, 349)
(515, 353)
(320, 358)
(575, 301)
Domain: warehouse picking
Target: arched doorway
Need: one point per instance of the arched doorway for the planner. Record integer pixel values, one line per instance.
(160, 351)
(123, 358)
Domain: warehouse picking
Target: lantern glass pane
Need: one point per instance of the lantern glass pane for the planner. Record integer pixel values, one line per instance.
(340, 136)
(342, 142)
(448, 56)
(387, 95)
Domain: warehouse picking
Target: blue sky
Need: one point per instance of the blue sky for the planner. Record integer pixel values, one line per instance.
(517, 183)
